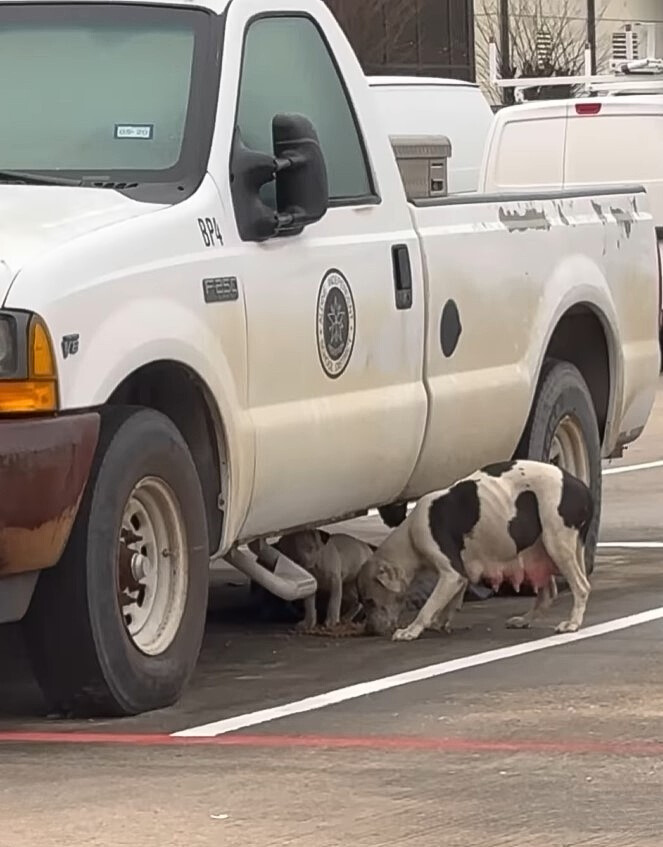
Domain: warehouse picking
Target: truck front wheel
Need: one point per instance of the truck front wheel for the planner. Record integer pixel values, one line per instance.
(116, 627)
(562, 429)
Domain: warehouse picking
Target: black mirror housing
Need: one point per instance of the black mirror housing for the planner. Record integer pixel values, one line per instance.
(249, 171)
(298, 167)
(302, 191)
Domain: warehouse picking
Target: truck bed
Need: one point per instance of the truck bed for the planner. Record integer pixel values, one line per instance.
(535, 246)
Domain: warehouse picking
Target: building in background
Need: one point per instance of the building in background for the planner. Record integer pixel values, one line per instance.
(450, 38)
(416, 37)
(547, 36)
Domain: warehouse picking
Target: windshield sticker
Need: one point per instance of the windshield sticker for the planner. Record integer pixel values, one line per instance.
(144, 132)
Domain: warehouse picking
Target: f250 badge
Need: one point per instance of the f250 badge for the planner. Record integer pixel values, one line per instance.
(335, 323)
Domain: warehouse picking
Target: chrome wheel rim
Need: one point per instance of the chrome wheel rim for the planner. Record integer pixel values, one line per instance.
(152, 566)
(568, 449)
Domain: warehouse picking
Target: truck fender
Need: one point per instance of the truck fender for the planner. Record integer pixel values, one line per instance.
(594, 296)
(178, 336)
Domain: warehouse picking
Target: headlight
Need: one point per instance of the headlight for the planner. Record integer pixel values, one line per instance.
(28, 379)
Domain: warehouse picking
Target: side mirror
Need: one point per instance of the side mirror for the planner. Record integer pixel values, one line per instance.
(300, 174)
(302, 193)
(249, 171)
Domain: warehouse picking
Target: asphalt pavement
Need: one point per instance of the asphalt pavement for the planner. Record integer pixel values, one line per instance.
(485, 738)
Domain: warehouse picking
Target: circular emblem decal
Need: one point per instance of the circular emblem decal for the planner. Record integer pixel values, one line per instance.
(335, 323)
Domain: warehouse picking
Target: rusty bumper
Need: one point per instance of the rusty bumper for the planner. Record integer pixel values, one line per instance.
(44, 466)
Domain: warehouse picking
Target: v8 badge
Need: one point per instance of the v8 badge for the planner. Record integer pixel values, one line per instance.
(70, 344)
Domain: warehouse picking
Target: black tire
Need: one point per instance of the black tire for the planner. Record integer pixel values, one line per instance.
(81, 652)
(561, 392)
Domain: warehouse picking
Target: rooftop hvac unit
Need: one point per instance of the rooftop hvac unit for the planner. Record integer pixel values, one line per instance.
(625, 45)
(633, 42)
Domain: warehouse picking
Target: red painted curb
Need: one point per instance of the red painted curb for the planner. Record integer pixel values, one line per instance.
(401, 743)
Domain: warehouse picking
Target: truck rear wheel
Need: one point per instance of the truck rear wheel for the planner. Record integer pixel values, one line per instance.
(115, 628)
(562, 429)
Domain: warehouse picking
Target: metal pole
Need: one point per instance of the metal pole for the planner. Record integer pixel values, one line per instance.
(591, 31)
(505, 47)
(471, 38)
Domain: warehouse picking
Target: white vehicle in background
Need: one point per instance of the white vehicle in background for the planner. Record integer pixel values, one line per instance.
(613, 137)
(432, 106)
(565, 144)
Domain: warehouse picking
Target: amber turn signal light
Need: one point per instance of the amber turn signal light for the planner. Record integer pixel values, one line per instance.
(28, 396)
(42, 362)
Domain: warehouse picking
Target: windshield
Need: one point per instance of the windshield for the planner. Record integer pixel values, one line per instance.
(102, 93)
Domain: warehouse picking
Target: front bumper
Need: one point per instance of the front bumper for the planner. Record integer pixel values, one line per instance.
(44, 466)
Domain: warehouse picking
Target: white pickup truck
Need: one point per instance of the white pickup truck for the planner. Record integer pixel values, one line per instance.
(222, 319)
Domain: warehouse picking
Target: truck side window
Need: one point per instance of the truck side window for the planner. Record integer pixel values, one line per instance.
(287, 67)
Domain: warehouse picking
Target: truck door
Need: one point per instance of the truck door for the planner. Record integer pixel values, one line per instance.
(336, 396)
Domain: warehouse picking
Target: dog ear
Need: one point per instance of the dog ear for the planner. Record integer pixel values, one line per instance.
(389, 577)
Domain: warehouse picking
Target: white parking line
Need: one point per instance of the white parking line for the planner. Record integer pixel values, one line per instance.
(352, 692)
(632, 545)
(643, 466)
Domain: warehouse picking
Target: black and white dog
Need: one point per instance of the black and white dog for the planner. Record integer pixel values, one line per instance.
(518, 521)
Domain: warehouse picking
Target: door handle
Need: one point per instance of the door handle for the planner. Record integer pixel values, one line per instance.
(400, 259)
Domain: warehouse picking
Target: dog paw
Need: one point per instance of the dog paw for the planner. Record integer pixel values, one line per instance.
(517, 622)
(567, 626)
(305, 628)
(407, 634)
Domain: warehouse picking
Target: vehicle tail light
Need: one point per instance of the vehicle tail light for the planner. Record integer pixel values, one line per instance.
(588, 108)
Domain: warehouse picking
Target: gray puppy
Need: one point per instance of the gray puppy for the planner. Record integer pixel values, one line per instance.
(518, 521)
(335, 560)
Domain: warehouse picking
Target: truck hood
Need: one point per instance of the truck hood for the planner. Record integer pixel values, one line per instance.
(36, 218)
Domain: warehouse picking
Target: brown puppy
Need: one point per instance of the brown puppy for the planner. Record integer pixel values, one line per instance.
(335, 561)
